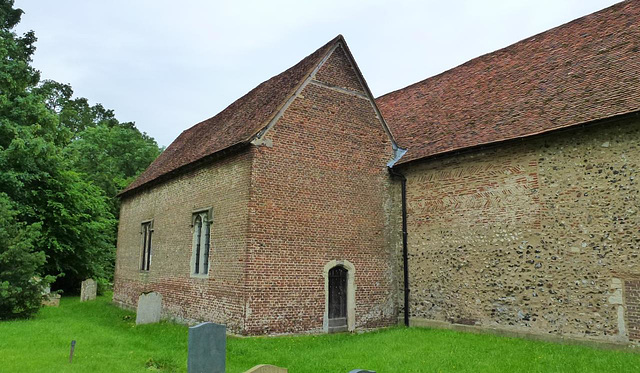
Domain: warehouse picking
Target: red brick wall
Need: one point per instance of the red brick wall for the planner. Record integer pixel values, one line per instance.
(632, 300)
(340, 73)
(321, 193)
(223, 186)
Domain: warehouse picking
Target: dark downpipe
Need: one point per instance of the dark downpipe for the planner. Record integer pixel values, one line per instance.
(405, 259)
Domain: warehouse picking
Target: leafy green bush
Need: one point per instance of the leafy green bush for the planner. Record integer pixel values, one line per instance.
(104, 285)
(20, 266)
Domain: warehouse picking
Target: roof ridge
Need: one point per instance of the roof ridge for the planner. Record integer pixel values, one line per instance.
(338, 39)
(235, 124)
(332, 41)
(510, 46)
(581, 71)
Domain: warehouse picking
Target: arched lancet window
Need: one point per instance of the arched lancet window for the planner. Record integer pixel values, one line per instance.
(146, 230)
(198, 243)
(207, 240)
(201, 242)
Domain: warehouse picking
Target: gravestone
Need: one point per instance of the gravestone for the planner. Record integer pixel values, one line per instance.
(265, 368)
(88, 290)
(362, 371)
(51, 300)
(207, 348)
(149, 308)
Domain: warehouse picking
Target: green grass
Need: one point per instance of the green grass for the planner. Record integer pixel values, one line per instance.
(109, 341)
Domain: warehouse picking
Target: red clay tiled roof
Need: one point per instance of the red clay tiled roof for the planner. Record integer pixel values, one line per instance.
(235, 125)
(582, 71)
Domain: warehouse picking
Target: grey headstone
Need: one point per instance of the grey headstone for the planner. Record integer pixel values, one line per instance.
(88, 290)
(149, 308)
(207, 348)
(362, 371)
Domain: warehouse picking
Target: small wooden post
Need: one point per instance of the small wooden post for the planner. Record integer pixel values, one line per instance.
(73, 347)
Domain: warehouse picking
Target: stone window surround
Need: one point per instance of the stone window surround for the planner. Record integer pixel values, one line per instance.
(208, 213)
(148, 222)
(351, 293)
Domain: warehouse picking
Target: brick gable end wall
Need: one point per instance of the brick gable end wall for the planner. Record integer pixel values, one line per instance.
(321, 193)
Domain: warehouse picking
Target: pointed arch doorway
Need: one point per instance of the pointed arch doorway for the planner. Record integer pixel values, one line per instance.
(339, 312)
(338, 299)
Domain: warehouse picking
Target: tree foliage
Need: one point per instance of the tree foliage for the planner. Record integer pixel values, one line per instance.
(112, 157)
(62, 162)
(109, 153)
(20, 290)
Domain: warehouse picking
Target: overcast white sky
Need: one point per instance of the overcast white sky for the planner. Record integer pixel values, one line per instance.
(167, 65)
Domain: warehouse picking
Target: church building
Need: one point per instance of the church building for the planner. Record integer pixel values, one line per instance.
(499, 195)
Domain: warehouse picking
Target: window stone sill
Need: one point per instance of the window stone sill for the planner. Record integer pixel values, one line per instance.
(198, 276)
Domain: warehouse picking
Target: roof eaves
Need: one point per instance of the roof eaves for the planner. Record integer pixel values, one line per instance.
(464, 149)
(232, 149)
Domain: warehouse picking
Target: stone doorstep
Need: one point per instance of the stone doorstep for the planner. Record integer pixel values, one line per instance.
(338, 325)
(338, 322)
(338, 329)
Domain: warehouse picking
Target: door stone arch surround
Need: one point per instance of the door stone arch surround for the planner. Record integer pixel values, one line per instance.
(351, 293)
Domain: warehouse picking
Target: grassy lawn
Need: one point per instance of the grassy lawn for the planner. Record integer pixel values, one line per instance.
(109, 341)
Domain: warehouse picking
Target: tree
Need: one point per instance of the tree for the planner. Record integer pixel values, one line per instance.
(112, 157)
(21, 284)
(109, 153)
(76, 224)
(75, 114)
(62, 161)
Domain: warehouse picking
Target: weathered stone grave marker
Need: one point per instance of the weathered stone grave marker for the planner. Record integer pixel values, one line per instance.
(149, 308)
(265, 368)
(50, 299)
(88, 290)
(207, 348)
